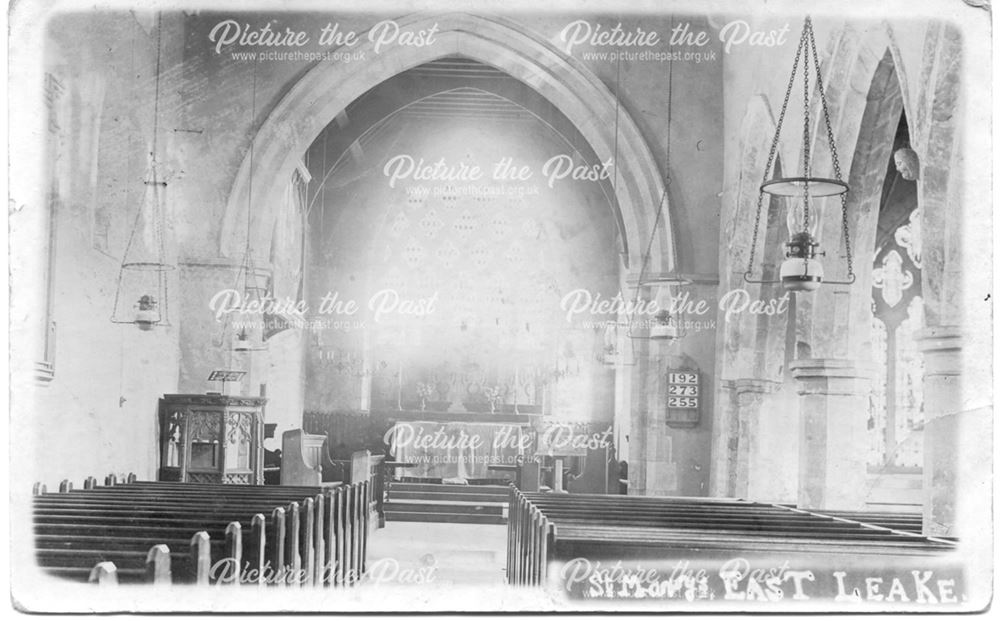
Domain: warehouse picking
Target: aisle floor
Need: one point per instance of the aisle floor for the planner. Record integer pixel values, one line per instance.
(446, 554)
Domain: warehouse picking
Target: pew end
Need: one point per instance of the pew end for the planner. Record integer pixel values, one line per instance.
(303, 456)
(158, 565)
(162, 533)
(201, 558)
(104, 574)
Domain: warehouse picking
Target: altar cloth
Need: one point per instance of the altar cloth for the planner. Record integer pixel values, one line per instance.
(458, 450)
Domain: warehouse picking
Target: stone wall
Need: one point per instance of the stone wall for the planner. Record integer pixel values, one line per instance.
(96, 412)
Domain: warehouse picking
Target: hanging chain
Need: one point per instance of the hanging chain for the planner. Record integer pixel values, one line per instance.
(836, 162)
(128, 171)
(153, 185)
(249, 270)
(156, 93)
(158, 215)
(618, 79)
(128, 246)
(666, 181)
(774, 151)
(806, 134)
(670, 99)
(154, 182)
(614, 181)
(158, 212)
(253, 120)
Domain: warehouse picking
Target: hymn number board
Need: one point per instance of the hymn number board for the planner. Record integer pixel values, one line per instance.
(683, 397)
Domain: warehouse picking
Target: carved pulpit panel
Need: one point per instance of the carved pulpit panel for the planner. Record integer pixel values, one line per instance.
(212, 439)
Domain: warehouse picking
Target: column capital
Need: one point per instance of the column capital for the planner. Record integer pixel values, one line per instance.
(940, 338)
(831, 367)
(942, 350)
(833, 400)
(832, 376)
(755, 384)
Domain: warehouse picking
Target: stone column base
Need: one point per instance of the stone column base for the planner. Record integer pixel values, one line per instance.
(958, 439)
(750, 398)
(833, 403)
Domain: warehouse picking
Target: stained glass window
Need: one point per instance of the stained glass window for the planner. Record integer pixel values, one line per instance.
(876, 422)
(897, 406)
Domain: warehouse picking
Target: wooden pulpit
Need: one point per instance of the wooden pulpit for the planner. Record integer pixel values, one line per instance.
(210, 438)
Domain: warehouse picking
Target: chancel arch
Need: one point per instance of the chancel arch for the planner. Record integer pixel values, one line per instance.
(494, 263)
(588, 105)
(327, 89)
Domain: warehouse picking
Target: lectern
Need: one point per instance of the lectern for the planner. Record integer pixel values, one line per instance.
(212, 438)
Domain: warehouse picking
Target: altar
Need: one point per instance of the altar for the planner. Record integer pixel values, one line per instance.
(458, 450)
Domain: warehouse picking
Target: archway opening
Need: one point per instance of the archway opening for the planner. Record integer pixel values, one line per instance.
(467, 222)
(590, 105)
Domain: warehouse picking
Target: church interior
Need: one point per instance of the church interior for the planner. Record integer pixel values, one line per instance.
(462, 299)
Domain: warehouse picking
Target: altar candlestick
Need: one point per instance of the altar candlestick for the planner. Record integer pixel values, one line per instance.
(517, 387)
(399, 386)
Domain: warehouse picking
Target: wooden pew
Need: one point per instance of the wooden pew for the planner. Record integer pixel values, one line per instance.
(543, 528)
(379, 475)
(910, 522)
(303, 456)
(125, 521)
(309, 551)
(175, 532)
(527, 475)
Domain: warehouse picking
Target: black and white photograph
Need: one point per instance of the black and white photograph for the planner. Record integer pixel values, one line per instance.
(409, 306)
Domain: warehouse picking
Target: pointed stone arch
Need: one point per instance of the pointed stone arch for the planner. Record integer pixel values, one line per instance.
(866, 86)
(326, 89)
(743, 340)
(867, 90)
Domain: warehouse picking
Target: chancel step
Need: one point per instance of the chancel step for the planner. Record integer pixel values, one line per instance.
(397, 495)
(435, 502)
(499, 491)
(449, 516)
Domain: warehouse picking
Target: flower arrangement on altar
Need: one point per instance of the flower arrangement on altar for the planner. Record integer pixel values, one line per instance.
(424, 391)
(493, 395)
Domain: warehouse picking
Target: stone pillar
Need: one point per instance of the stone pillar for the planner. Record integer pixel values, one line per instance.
(725, 443)
(957, 441)
(652, 463)
(661, 476)
(639, 420)
(751, 394)
(833, 400)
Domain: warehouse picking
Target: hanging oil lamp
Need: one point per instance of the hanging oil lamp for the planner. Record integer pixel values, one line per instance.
(144, 263)
(802, 270)
(146, 315)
